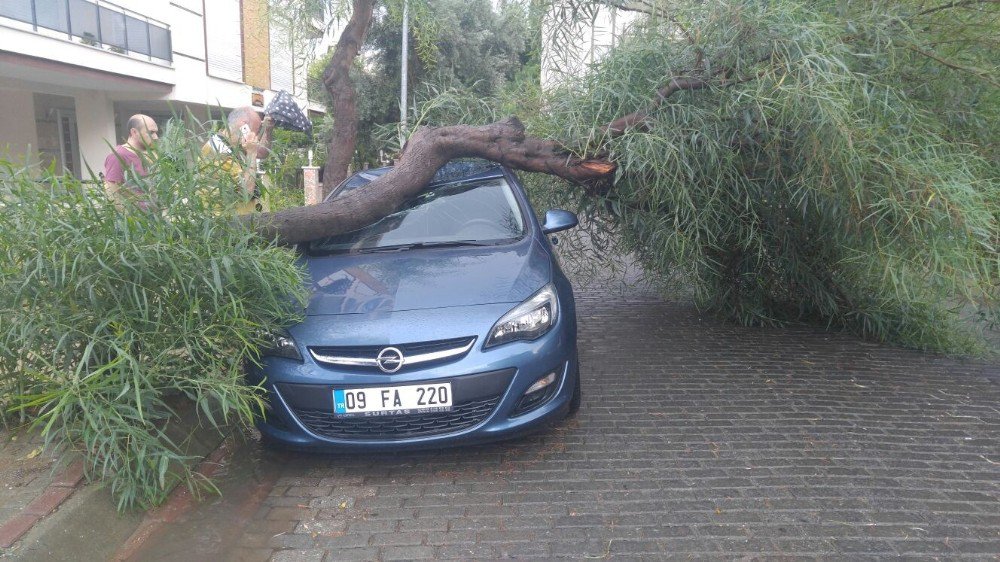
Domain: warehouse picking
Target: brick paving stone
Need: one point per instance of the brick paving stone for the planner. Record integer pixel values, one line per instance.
(465, 552)
(298, 556)
(308, 491)
(292, 541)
(523, 551)
(346, 554)
(429, 524)
(249, 555)
(12, 529)
(398, 539)
(325, 527)
(408, 553)
(342, 542)
(697, 439)
(451, 537)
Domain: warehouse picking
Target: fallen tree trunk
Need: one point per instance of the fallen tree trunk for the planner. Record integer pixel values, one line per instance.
(427, 150)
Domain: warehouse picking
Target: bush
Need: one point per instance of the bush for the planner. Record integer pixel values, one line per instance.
(289, 153)
(113, 317)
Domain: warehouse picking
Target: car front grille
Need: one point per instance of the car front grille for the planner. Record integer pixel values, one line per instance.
(461, 416)
(417, 353)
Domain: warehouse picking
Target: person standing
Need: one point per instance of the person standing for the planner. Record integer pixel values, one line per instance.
(127, 162)
(237, 151)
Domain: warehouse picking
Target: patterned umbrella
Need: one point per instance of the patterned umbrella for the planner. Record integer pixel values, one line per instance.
(286, 113)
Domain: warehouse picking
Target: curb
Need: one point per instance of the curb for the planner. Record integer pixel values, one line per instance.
(54, 495)
(181, 501)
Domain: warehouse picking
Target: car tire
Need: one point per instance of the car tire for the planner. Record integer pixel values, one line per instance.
(577, 399)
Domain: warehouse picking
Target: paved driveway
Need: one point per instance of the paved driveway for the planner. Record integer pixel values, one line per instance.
(696, 438)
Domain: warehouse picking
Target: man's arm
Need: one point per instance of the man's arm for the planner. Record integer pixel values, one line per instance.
(264, 146)
(248, 177)
(255, 148)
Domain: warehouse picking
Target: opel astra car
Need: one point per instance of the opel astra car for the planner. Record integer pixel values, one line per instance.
(448, 322)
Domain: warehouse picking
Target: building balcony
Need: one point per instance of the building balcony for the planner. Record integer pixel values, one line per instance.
(97, 24)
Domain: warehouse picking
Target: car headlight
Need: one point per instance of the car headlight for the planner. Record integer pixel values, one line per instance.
(282, 345)
(528, 320)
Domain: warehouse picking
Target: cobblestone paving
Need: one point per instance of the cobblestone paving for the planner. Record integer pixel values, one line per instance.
(25, 470)
(697, 439)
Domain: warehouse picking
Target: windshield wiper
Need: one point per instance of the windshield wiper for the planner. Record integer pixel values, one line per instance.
(418, 245)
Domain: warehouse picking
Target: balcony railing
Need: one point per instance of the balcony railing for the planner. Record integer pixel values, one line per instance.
(98, 23)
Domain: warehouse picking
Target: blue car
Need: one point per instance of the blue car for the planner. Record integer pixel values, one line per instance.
(446, 323)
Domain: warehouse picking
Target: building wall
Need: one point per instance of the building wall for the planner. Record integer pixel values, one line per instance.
(256, 44)
(593, 39)
(95, 121)
(188, 37)
(224, 45)
(55, 125)
(198, 87)
(55, 47)
(282, 62)
(222, 52)
(17, 125)
(156, 9)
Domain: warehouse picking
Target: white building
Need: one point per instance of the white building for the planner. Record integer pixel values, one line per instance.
(73, 71)
(570, 49)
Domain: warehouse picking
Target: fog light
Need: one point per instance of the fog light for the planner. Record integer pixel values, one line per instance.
(540, 392)
(541, 383)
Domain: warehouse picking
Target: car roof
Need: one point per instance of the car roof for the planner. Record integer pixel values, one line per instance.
(464, 169)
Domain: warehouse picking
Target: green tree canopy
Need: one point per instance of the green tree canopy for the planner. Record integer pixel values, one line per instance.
(464, 45)
(784, 160)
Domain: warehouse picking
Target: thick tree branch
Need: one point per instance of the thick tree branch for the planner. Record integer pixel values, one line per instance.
(430, 148)
(427, 150)
(619, 126)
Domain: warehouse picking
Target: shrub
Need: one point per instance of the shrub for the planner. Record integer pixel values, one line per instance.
(111, 317)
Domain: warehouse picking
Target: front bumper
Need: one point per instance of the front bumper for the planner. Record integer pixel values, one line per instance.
(487, 386)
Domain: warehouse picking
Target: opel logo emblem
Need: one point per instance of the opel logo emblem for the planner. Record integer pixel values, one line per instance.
(390, 360)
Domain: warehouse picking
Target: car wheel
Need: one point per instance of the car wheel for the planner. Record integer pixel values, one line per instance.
(577, 399)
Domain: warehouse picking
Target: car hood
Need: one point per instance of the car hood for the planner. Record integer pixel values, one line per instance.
(426, 278)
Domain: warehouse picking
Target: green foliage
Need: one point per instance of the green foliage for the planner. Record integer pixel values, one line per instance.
(314, 80)
(112, 318)
(841, 168)
(812, 185)
(472, 49)
(283, 167)
(424, 26)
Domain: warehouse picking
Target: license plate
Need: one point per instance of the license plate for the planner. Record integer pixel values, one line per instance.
(392, 400)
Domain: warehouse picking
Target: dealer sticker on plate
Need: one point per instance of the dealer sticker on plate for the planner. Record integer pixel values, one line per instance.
(393, 400)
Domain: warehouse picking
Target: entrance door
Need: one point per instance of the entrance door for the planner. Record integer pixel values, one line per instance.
(58, 141)
(69, 145)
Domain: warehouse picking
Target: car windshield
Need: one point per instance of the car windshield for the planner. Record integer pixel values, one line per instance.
(482, 212)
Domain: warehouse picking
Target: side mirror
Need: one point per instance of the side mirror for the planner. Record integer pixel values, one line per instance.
(557, 220)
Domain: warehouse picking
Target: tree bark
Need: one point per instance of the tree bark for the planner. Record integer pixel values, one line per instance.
(427, 150)
(337, 79)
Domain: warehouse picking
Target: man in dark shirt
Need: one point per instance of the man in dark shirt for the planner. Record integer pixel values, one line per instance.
(128, 159)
